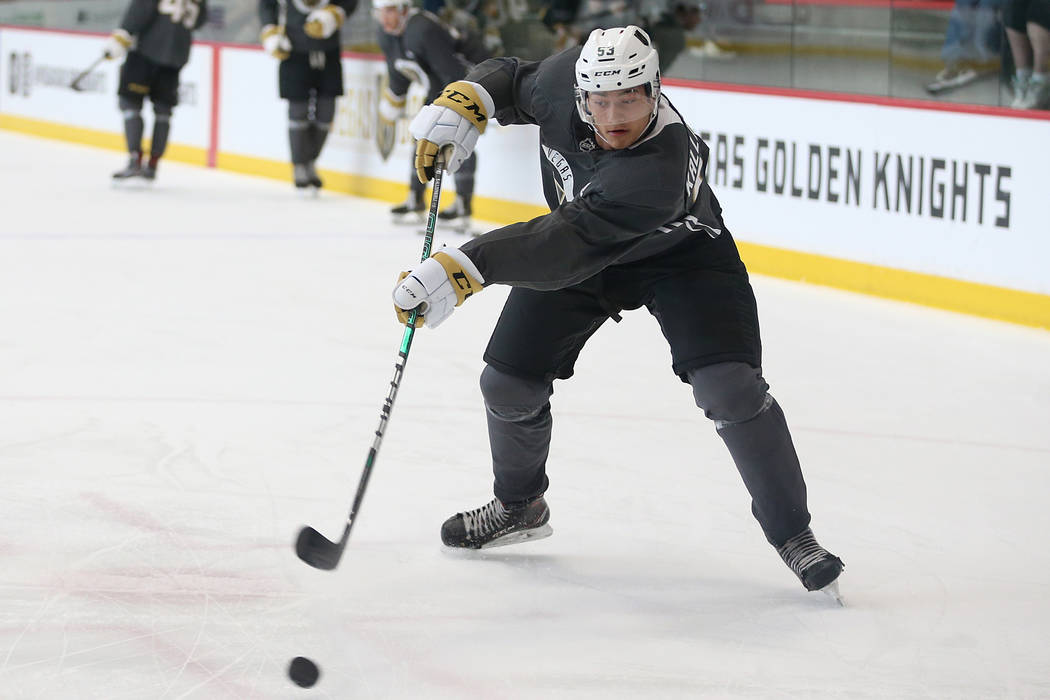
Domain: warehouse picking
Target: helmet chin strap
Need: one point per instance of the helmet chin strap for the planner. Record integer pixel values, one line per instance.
(598, 134)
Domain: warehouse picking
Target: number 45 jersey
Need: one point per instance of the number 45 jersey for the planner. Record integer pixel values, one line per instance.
(163, 29)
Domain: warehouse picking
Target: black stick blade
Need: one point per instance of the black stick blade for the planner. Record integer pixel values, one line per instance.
(317, 550)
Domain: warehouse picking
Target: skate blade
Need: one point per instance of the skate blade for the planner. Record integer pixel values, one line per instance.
(463, 228)
(310, 192)
(832, 591)
(537, 533)
(132, 183)
(409, 220)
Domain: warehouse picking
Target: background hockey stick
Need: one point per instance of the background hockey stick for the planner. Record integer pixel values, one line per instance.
(312, 547)
(87, 71)
(282, 15)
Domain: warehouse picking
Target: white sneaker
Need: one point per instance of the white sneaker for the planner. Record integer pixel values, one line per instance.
(951, 76)
(1037, 96)
(1020, 86)
(710, 49)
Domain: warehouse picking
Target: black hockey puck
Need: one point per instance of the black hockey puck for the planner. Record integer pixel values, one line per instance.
(303, 672)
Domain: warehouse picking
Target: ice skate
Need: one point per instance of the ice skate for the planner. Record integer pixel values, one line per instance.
(496, 524)
(312, 176)
(149, 170)
(817, 568)
(412, 211)
(304, 185)
(456, 216)
(132, 170)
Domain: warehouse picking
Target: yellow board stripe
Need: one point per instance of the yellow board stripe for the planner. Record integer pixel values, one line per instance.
(94, 137)
(973, 298)
(1027, 308)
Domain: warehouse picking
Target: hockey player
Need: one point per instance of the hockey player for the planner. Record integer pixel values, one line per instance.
(155, 35)
(633, 223)
(419, 48)
(304, 37)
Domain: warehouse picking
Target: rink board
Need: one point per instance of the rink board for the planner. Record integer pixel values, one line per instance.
(935, 206)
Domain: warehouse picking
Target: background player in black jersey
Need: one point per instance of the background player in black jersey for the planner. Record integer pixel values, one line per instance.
(418, 47)
(633, 223)
(304, 36)
(156, 36)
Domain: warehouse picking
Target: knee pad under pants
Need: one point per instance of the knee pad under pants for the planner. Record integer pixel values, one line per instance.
(130, 104)
(729, 392)
(324, 110)
(512, 398)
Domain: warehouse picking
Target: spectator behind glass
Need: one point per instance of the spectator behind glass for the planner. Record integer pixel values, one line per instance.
(971, 44)
(669, 29)
(1028, 31)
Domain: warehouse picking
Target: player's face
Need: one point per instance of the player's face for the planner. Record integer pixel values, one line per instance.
(392, 19)
(620, 116)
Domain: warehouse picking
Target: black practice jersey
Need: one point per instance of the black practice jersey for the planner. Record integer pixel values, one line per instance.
(441, 52)
(163, 29)
(292, 14)
(607, 207)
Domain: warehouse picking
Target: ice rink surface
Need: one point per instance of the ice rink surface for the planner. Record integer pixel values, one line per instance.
(190, 373)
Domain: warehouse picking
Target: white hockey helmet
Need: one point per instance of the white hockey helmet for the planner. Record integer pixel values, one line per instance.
(617, 59)
(380, 4)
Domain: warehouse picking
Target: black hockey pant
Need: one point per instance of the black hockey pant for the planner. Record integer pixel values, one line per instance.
(732, 394)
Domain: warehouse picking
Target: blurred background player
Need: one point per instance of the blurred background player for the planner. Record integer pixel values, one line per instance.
(304, 36)
(155, 35)
(419, 48)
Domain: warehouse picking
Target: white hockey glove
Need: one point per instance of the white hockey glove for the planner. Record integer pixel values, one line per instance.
(391, 108)
(117, 45)
(322, 23)
(437, 285)
(275, 42)
(414, 72)
(456, 119)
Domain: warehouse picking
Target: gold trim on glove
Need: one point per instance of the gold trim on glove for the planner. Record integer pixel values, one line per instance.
(314, 28)
(426, 152)
(463, 283)
(462, 98)
(122, 37)
(273, 30)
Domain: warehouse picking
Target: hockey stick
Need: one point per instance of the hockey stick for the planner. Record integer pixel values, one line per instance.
(312, 547)
(282, 14)
(77, 80)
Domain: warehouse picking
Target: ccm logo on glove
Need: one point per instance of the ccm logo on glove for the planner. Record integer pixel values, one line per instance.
(462, 97)
(437, 286)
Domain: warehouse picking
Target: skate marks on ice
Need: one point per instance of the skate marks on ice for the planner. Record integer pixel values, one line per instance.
(657, 582)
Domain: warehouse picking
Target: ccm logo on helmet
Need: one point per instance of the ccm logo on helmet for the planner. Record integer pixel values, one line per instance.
(600, 73)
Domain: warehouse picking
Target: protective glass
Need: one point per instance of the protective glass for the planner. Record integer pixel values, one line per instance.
(617, 106)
